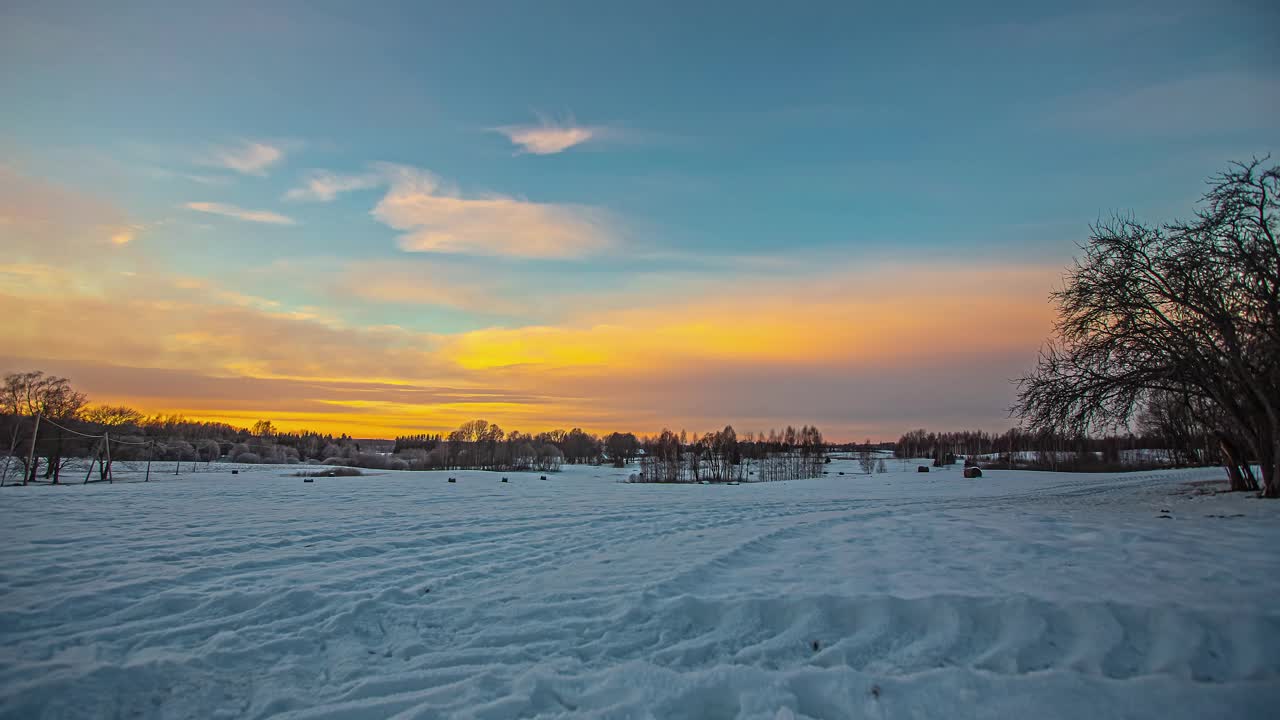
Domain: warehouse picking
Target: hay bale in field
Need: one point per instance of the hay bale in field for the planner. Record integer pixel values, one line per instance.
(972, 472)
(922, 468)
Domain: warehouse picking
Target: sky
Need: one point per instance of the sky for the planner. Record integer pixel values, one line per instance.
(384, 218)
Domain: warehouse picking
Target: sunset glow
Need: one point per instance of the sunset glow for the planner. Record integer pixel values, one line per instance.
(572, 244)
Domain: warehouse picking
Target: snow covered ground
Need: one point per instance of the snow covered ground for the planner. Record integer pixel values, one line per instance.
(902, 595)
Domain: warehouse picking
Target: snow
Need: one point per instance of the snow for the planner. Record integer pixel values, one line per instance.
(901, 595)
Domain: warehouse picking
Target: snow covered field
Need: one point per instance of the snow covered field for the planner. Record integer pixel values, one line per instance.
(399, 595)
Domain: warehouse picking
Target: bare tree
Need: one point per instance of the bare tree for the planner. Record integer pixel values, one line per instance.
(112, 417)
(1191, 309)
(48, 396)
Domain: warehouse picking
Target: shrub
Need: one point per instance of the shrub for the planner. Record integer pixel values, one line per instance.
(336, 461)
(415, 458)
(331, 472)
(369, 460)
(397, 464)
(247, 458)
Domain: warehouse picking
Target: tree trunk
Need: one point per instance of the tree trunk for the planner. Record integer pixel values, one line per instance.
(1237, 465)
(1270, 481)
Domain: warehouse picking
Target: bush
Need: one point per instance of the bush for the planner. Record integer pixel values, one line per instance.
(370, 460)
(415, 458)
(331, 472)
(177, 450)
(247, 458)
(397, 464)
(336, 461)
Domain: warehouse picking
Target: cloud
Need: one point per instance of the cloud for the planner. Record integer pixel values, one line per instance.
(479, 291)
(1205, 102)
(201, 179)
(324, 186)
(440, 219)
(839, 318)
(247, 158)
(867, 352)
(258, 216)
(47, 222)
(549, 137)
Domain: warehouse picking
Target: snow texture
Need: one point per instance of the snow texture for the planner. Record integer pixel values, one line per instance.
(901, 595)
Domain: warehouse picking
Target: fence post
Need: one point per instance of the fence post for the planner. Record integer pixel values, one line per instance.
(32, 453)
(106, 438)
(90, 470)
(9, 458)
(150, 446)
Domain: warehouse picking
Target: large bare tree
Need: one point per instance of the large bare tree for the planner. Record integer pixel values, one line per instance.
(1190, 309)
(35, 393)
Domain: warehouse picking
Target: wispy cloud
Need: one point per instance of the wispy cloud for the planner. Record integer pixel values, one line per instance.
(324, 186)
(1200, 103)
(239, 213)
(460, 285)
(550, 136)
(249, 157)
(439, 219)
(48, 222)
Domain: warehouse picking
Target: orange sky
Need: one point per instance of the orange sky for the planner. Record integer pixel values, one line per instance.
(865, 352)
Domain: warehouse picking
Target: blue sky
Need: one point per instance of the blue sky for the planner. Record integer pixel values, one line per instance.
(727, 145)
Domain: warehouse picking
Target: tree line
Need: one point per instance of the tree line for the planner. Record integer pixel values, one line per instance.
(1154, 444)
(53, 423)
(723, 456)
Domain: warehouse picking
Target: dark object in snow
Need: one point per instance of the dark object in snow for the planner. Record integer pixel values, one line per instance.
(840, 473)
(544, 477)
(972, 472)
(875, 691)
(504, 479)
(922, 468)
(426, 590)
(824, 472)
(816, 645)
(453, 480)
(734, 482)
(308, 479)
(235, 472)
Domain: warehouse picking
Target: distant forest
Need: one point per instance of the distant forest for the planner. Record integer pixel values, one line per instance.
(1159, 440)
(47, 424)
